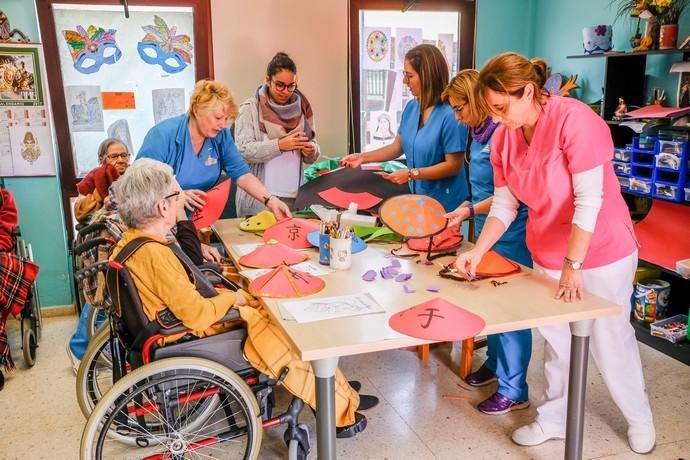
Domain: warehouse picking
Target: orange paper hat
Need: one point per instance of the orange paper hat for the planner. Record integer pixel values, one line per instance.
(215, 203)
(448, 239)
(342, 199)
(413, 216)
(292, 232)
(493, 264)
(438, 320)
(272, 254)
(285, 282)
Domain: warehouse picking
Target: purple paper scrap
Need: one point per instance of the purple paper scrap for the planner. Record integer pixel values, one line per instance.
(407, 289)
(370, 275)
(395, 263)
(389, 273)
(434, 288)
(401, 278)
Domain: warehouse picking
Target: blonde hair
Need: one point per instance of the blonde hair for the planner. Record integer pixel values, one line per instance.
(510, 73)
(208, 93)
(462, 87)
(428, 61)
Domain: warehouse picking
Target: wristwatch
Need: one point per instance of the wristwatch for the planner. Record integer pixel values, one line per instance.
(414, 173)
(574, 264)
(267, 199)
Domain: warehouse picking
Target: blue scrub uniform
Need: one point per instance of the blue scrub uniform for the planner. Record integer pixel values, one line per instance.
(508, 353)
(170, 142)
(428, 146)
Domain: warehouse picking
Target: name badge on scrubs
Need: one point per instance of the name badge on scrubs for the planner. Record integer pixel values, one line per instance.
(210, 161)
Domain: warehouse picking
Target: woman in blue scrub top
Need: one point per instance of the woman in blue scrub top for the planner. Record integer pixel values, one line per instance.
(429, 135)
(197, 145)
(508, 353)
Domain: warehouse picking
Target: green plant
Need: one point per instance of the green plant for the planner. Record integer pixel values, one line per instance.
(666, 11)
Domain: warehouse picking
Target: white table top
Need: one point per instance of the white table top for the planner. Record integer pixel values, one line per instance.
(525, 301)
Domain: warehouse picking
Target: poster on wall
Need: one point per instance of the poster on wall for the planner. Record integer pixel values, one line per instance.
(376, 44)
(84, 108)
(120, 130)
(20, 76)
(406, 38)
(167, 103)
(382, 127)
(32, 153)
(445, 44)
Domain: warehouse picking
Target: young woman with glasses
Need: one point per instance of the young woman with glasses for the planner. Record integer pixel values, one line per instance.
(275, 134)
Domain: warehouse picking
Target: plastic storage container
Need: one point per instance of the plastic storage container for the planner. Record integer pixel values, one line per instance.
(669, 161)
(674, 147)
(671, 192)
(673, 329)
(625, 182)
(687, 193)
(683, 268)
(621, 168)
(622, 154)
(638, 185)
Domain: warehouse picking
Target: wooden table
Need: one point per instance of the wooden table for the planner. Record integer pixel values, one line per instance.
(525, 301)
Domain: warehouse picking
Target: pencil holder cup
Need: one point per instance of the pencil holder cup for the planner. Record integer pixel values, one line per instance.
(341, 253)
(324, 249)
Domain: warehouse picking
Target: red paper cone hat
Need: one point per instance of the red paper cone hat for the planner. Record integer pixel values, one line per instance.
(438, 320)
(215, 203)
(493, 264)
(448, 239)
(271, 255)
(285, 282)
(342, 199)
(292, 232)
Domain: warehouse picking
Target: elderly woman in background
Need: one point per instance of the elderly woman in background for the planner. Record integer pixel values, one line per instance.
(149, 202)
(275, 134)
(198, 146)
(113, 158)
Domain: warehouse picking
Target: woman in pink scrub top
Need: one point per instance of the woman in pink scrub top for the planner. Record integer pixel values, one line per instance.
(554, 155)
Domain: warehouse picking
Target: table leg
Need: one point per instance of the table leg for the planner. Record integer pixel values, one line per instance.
(324, 369)
(466, 358)
(577, 384)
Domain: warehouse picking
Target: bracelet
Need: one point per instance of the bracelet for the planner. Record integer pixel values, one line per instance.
(267, 199)
(471, 206)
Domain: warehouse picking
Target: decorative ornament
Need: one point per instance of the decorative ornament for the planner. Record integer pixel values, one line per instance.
(162, 43)
(91, 48)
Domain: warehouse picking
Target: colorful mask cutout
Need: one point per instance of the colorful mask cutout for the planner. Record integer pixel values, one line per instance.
(292, 232)
(215, 204)
(272, 254)
(162, 44)
(438, 320)
(285, 282)
(92, 48)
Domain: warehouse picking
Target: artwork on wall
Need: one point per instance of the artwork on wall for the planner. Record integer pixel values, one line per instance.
(84, 108)
(32, 153)
(163, 46)
(91, 48)
(377, 48)
(445, 44)
(120, 130)
(167, 103)
(20, 76)
(7, 33)
(382, 128)
(406, 39)
(684, 89)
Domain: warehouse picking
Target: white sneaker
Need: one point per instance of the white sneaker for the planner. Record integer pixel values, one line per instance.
(642, 437)
(533, 435)
(73, 359)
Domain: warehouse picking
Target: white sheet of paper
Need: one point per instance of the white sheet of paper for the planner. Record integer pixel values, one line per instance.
(242, 249)
(306, 266)
(319, 309)
(254, 273)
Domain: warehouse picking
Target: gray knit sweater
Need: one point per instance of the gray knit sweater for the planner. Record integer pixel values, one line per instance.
(256, 152)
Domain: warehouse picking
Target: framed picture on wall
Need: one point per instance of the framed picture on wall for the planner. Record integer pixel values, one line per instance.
(20, 76)
(684, 89)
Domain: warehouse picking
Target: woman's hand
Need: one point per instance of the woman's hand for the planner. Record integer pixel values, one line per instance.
(466, 264)
(353, 160)
(194, 199)
(309, 150)
(210, 253)
(458, 215)
(401, 176)
(278, 208)
(294, 141)
(571, 286)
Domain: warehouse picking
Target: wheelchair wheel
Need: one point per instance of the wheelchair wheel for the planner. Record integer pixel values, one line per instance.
(91, 322)
(36, 312)
(29, 342)
(155, 405)
(95, 375)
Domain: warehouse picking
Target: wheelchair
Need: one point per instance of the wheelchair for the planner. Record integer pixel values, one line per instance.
(194, 397)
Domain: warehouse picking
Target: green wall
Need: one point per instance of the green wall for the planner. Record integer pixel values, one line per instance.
(504, 25)
(38, 198)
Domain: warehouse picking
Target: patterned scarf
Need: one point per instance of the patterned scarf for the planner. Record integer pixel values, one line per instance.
(279, 120)
(483, 133)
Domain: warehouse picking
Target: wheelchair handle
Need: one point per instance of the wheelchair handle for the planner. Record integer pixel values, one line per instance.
(217, 277)
(91, 228)
(90, 244)
(91, 270)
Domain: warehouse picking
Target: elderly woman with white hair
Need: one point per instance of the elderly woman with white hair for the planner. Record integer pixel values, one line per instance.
(149, 201)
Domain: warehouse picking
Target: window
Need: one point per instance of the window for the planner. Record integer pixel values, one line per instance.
(381, 34)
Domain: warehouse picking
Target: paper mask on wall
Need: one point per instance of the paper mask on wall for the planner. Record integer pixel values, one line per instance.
(92, 48)
(163, 46)
(438, 320)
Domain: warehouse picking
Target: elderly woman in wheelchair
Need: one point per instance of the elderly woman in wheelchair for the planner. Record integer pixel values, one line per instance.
(198, 366)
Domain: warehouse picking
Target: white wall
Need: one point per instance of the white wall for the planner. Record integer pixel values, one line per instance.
(246, 35)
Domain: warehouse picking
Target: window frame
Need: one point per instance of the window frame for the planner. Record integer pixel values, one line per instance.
(466, 37)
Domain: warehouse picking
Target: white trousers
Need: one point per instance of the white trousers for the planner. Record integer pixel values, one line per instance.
(613, 346)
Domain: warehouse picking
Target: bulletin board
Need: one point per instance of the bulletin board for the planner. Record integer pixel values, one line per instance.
(122, 75)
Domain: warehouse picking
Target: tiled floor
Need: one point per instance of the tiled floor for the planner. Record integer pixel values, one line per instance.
(40, 418)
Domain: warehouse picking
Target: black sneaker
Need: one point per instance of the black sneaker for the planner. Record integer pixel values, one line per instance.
(367, 402)
(352, 430)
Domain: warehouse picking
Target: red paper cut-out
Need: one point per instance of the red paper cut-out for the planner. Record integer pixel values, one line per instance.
(660, 234)
(450, 238)
(438, 320)
(285, 282)
(292, 232)
(342, 199)
(272, 254)
(215, 203)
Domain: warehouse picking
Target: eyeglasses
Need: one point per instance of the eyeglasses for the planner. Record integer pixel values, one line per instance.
(173, 194)
(280, 86)
(119, 156)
